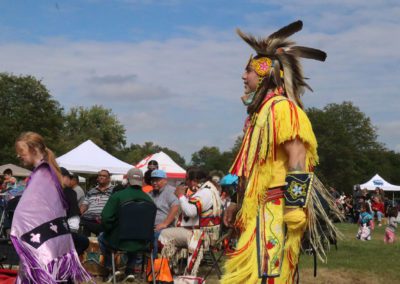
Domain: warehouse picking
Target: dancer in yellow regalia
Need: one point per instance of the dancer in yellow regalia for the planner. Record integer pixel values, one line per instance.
(274, 164)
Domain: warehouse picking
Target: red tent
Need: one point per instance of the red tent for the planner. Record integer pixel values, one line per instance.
(165, 163)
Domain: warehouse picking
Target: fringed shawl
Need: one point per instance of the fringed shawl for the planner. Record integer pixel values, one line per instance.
(41, 235)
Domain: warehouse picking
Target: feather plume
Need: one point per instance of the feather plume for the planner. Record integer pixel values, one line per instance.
(288, 30)
(285, 55)
(307, 52)
(277, 73)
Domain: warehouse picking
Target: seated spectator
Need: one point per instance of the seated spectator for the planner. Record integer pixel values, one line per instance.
(80, 194)
(9, 181)
(147, 187)
(199, 221)
(378, 209)
(109, 239)
(81, 242)
(166, 201)
(93, 204)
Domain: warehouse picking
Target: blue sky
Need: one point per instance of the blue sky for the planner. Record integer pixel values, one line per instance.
(170, 70)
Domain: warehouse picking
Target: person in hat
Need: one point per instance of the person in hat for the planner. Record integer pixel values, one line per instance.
(166, 201)
(109, 239)
(278, 143)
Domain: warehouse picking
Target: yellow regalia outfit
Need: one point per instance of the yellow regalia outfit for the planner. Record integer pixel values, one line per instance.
(263, 248)
(270, 235)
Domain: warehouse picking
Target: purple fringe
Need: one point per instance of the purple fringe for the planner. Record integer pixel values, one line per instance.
(65, 267)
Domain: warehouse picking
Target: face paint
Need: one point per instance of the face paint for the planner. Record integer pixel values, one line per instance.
(247, 99)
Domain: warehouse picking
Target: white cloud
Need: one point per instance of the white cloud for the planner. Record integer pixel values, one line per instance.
(183, 93)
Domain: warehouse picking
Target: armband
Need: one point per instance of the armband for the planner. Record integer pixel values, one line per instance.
(297, 189)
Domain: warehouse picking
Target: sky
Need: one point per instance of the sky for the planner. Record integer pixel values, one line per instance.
(170, 70)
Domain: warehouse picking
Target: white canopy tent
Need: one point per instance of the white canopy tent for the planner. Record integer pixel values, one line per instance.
(378, 181)
(165, 163)
(89, 158)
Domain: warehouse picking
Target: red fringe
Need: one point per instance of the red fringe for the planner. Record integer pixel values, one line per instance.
(237, 252)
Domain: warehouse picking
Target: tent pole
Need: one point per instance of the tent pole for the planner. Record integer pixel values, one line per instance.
(393, 199)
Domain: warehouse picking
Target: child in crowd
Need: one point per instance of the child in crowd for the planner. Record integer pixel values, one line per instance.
(392, 225)
(364, 232)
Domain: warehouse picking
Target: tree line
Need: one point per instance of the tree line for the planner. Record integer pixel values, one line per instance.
(348, 148)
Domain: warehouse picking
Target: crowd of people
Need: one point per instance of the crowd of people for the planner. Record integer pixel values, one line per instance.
(193, 206)
(369, 209)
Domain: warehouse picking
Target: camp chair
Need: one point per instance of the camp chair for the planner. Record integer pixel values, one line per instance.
(210, 256)
(139, 229)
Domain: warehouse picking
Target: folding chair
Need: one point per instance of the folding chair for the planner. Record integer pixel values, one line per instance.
(136, 229)
(212, 259)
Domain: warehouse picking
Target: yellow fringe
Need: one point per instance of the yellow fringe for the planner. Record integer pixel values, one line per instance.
(258, 147)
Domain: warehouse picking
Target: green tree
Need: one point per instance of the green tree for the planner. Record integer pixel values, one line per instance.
(211, 158)
(96, 123)
(208, 158)
(348, 148)
(26, 105)
(135, 153)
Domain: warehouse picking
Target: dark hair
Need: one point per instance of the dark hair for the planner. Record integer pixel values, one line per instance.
(8, 172)
(75, 177)
(108, 173)
(364, 206)
(147, 176)
(392, 211)
(197, 174)
(152, 163)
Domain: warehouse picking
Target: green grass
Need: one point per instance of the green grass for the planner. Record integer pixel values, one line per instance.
(357, 258)
(355, 261)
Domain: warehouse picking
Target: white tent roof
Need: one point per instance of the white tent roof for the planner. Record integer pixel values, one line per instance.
(378, 181)
(90, 158)
(17, 171)
(165, 163)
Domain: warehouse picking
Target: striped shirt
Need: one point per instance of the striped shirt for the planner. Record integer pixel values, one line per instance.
(96, 199)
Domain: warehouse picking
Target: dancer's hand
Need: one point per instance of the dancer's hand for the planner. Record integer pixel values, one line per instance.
(230, 214)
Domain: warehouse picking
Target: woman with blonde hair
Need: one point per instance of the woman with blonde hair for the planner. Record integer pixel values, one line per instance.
(39, 232)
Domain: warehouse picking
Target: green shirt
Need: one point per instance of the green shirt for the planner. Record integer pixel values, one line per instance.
(109, 218)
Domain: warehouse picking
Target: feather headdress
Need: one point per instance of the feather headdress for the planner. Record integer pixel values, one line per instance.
(277, 53)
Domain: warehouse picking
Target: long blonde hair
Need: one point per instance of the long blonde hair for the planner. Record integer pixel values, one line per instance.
(35, 142)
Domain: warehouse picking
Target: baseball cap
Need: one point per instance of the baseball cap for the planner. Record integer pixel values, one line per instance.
(135, 177)
(65, 172)
(158, 174)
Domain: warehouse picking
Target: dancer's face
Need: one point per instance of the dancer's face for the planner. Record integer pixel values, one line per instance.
(250, 80)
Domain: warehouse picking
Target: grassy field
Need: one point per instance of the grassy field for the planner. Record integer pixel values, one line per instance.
(356, 261)
(364, 262)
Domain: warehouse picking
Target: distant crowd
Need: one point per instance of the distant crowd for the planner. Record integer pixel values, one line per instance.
(369, 209)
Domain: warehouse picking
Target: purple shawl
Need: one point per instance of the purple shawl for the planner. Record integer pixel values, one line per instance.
(40, 232)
